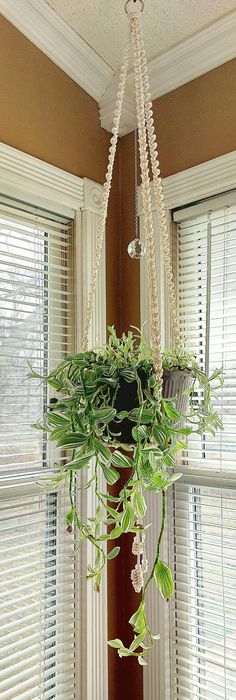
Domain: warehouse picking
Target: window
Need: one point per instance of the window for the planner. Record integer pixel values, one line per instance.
(37, 571)
(203, 511)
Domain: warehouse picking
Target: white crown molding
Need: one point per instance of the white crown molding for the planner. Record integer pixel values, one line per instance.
(107, 107)
(203, 180)
(196, 56)
(43, 26)
(23, 175)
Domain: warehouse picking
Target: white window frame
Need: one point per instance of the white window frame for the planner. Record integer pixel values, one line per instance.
(41, 184)
(199, 182)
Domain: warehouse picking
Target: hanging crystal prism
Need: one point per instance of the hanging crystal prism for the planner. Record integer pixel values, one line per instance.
(136, 249)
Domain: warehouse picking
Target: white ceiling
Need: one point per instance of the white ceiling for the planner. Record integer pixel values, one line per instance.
(103, 23)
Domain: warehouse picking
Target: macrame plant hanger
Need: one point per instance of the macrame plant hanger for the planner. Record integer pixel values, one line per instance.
(147, 139)
(147, 142)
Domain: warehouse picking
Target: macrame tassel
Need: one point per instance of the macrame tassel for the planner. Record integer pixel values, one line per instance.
(141, 567)
(137, 578)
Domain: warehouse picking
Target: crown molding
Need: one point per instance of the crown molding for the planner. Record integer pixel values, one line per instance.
(43, 26)
(107, 106)
(196, 56)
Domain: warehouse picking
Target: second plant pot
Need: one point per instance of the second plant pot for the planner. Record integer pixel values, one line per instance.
(175, 385)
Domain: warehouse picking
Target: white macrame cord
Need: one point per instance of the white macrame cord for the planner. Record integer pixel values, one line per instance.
(147, 140)
(147, 137)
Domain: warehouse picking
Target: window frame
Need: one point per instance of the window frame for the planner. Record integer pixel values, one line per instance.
(205, 180)
(31, 180)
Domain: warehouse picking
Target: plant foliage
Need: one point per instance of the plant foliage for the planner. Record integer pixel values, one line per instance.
(79, 421)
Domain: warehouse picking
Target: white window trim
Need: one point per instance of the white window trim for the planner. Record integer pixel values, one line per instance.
(32, 180)
(205, 180)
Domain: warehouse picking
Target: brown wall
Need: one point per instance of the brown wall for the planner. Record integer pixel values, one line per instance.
(44, 113)
(194, 123)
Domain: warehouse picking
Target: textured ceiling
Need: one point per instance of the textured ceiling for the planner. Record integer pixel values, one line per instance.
(102, 23)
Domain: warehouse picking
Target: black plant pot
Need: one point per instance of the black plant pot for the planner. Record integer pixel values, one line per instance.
(174, 386)
(126, 400)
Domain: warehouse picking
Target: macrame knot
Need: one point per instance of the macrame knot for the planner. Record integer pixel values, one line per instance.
(137, 578)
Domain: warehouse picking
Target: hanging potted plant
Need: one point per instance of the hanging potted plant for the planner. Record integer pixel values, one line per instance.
(85, 420)
(120, 407)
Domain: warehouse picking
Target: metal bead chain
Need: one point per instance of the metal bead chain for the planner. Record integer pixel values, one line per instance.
(147, 207)
(158, 189)
(106, 192)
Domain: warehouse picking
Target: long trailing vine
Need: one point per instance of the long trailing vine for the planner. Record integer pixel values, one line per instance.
(84, 421)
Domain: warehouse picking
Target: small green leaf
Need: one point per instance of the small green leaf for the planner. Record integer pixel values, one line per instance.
(128, 374)
(57, 419)
(128, 519)
(114, 552)
(139, 504)
(170, 410)
(69, 518)
(159, 435)
(137, 640)
(120, 460)
(80, 462)
(164, 581)
(116, 532)
(122, 414)
(103, 450)
(168, 460)
(104, 415)
(172, 479)
(116, 643)
(73, 440)
(140, 432)
(146, 416)
(111, 475)
(138, 619)
(141, 661)
(152, 448)
(156, 482)
(114, 513)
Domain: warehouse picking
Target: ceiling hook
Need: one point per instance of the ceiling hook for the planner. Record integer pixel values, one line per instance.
(134, 6)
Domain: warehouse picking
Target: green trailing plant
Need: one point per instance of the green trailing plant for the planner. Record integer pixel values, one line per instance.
(84, 422)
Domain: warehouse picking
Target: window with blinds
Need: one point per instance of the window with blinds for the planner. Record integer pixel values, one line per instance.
(203, 511)
(37, 572)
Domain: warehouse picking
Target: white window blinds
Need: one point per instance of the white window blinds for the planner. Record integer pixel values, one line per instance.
(37, 601)
(203, 512)
(37, 571)
(35, 311)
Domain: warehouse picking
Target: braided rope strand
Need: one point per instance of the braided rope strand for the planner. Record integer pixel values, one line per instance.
(158, 189)
(147, 206)
(106, 192)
